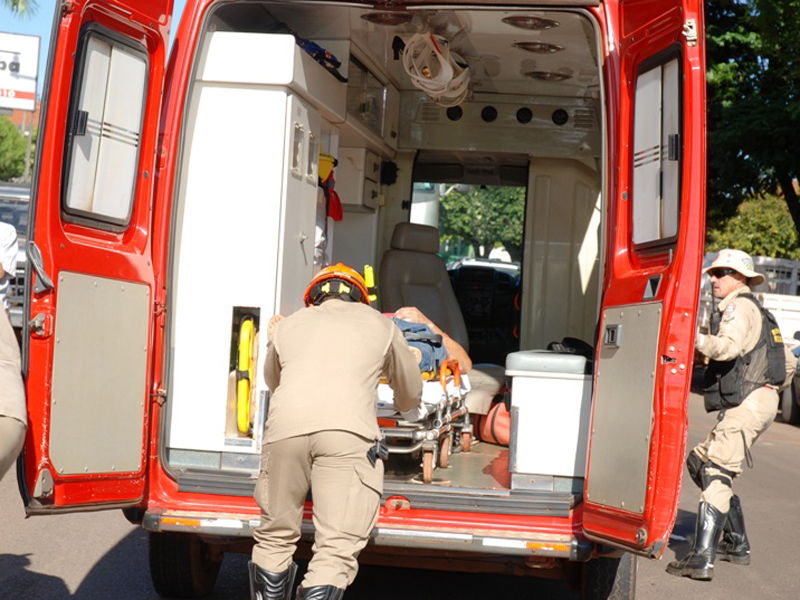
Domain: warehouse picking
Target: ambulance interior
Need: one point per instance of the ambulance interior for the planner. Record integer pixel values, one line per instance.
(263, 122)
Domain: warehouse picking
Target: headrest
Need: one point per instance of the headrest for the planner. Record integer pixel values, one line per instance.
(415, 237)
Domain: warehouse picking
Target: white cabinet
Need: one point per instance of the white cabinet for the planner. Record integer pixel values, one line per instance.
(246, 212)
(358, 179)
(551, 404)
(287, 66)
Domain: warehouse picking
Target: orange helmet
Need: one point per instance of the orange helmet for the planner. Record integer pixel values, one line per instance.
(338, 279)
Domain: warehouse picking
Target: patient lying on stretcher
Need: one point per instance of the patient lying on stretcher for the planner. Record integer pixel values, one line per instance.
(486, 381)
(432, 392)
(454, 349)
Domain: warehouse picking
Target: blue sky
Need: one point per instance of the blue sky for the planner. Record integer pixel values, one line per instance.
(41, 24)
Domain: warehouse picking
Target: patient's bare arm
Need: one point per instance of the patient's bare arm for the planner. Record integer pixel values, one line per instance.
(454, 349)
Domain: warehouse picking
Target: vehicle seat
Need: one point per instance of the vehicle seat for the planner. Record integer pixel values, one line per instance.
(413, 274)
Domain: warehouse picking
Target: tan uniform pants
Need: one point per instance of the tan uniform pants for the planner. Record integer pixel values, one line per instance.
(725, 445)
(346, 490)
(12, 438)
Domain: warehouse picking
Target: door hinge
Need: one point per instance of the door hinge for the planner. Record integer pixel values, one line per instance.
(690, 32)
(159, 308)
(67, 6)
(160, 396)
(43, 490)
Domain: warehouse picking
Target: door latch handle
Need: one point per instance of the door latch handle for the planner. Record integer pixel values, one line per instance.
(612, 337)
(41, 326)
(43, 281)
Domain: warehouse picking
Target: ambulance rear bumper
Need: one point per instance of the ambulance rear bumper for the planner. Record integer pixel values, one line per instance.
(229, 528)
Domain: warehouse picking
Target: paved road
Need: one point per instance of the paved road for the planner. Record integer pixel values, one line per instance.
(100, 555)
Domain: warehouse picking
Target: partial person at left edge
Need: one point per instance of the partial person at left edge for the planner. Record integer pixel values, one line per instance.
(13, 417)
(9, 247)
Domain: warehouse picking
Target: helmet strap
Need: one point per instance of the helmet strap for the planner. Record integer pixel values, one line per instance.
(335, 287)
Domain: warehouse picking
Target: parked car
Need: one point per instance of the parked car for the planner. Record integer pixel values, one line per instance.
(14, 202)
(790, 409)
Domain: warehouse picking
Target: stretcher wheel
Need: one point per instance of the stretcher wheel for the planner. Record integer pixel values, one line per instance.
(444, 452)
(427, 466)
(466, 441)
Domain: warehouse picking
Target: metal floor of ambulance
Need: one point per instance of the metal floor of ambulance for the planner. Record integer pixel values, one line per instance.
(484, 467)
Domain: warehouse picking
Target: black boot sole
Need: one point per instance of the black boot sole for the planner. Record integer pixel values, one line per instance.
(734, 559)
(697, 574)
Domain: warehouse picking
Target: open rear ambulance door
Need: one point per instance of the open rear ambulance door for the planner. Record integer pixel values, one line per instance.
(91, 291)
(655, 244)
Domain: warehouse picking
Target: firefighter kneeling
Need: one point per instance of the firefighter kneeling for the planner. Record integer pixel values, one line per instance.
(323, 366)
(748, 366)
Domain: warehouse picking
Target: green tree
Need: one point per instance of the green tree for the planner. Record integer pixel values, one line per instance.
(753, 61)
(21, 7)
(485, 217)
(761, 227)
(12, 151)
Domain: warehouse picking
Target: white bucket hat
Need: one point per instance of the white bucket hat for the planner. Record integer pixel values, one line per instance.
(739, 261)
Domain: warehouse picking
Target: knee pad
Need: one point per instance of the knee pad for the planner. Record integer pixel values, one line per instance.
(695, 466)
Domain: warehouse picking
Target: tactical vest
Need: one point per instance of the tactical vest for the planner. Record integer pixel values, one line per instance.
(728, 383)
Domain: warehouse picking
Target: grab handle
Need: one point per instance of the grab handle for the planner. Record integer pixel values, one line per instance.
(450, 364)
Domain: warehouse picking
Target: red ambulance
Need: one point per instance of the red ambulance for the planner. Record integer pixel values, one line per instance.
(174, 200)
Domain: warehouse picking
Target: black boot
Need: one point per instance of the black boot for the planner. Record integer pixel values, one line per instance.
(699, 563)
(265, 585)
(320, 592)
(734, 546)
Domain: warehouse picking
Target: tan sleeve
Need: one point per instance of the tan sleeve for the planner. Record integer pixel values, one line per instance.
(12, 390)
(738, 333)
(272, 367)
(402, 372)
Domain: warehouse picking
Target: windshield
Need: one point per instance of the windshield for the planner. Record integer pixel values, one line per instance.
(478, 224)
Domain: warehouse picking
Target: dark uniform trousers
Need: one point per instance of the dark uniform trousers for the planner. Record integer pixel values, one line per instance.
(346, 497)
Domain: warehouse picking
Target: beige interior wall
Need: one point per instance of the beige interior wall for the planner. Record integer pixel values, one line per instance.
(562, 252)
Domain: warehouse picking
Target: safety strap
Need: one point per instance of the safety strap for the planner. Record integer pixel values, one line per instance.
(725, 476)
(747, 456)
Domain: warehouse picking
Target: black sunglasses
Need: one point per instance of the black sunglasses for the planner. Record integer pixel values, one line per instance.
(721, 272)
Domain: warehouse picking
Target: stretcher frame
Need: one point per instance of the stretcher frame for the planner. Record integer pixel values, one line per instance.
(435, 435)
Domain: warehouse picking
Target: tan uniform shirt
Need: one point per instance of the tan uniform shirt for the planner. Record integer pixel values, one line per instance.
(739, 332)
(323, 367)
(739, 328)
(12, 392)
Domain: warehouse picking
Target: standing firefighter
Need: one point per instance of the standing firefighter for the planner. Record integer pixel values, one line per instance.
(748, 365)
(323, 367)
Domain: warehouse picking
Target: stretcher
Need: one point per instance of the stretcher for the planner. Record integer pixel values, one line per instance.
(434, 436)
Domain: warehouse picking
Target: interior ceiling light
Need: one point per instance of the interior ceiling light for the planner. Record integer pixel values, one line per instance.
(389, 19)
(538, 47)
(533, 23)
(551, 76)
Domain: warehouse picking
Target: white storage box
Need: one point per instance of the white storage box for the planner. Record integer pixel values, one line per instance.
(551, 395)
